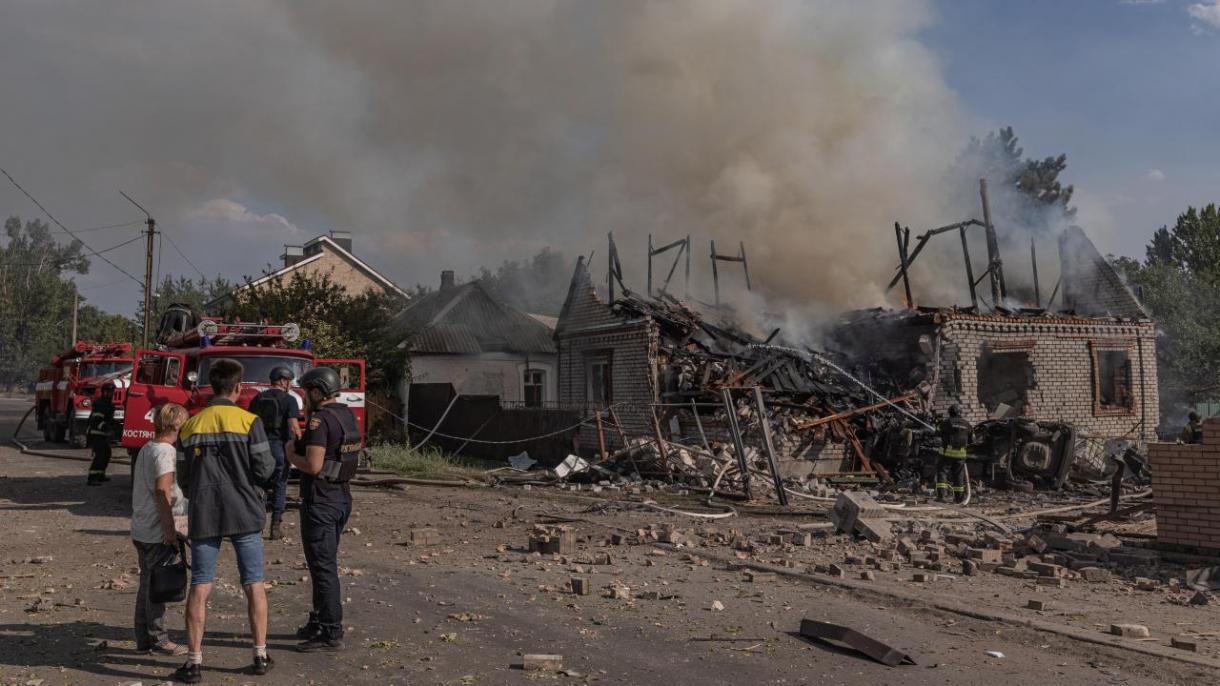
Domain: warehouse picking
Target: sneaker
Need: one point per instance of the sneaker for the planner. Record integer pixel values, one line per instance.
(309, 632)
(320, 643)
(277, 530)
(189, 673)
(168, 648)
(262, 665)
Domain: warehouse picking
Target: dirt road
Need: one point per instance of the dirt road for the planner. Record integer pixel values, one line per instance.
(465, 610)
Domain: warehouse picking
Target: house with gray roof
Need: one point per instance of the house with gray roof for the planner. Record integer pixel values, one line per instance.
(465, 337)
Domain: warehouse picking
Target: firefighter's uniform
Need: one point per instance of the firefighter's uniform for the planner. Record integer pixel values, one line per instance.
(951, 473)
(98, 436)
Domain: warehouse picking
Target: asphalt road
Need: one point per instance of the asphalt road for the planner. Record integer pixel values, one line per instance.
(463, 612)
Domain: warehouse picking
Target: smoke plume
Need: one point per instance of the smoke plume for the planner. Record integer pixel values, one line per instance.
(460, 133)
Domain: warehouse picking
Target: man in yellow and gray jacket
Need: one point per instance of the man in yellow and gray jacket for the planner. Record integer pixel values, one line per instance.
(226, 464)
(951, 467)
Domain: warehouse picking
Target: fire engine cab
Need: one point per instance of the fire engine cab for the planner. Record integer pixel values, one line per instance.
(177, 371)
(66, 390)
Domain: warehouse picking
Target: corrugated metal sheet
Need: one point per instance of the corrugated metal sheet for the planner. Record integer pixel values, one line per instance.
(468, 320)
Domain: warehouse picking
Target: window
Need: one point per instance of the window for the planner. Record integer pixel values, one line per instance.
(1005, 378)
(1112, 381)
(256, 369)
(172, 368)
(151, 370)
(533, 387)
(599, 367)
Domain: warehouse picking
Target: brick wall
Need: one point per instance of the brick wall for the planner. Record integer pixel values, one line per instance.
(1061, 352)
(341, 271)
(1186, 490)
(588, 327)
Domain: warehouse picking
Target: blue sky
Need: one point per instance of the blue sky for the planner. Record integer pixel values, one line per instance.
(1130, 91)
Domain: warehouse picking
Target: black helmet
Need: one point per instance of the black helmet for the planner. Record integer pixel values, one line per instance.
(325, 379)
(278, 373)
(955, 411)
(107, 388)
(1194, 416)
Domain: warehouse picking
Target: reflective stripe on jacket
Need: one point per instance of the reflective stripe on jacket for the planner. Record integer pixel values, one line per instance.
(226, 459)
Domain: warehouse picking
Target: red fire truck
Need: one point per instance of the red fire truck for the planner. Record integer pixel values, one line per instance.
(177, 372)
(65, 391)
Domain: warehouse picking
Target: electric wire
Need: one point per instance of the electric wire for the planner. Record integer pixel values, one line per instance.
(65, 228)
(183, 256)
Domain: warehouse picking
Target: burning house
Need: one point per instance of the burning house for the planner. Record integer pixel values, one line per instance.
(1046, 386)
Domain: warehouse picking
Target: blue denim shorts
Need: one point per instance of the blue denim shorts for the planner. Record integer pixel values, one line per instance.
(249, 550)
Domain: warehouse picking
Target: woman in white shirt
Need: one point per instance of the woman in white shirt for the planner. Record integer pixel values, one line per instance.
(156, 502)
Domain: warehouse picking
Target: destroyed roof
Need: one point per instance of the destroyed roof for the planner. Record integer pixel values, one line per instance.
(469, 320)
(1091, 285)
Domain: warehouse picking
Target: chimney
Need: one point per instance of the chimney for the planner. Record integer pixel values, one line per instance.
(446, 279)
(293, 254)
(343, 239)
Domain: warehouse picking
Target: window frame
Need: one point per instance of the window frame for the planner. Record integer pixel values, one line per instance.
(1096, 349)
(540, 385)
(599, 358)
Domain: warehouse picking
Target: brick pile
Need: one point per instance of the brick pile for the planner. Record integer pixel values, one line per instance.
(1186, 488)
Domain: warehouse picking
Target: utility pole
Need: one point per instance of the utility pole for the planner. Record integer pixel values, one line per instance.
(75, 310)
(148, 268)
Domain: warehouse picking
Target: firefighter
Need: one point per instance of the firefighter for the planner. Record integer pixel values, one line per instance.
(98, 434)
(1193, 431)
(277, 407)
(951, 467)
(327, 456)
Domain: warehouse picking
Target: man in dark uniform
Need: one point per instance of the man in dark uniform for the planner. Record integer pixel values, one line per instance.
(277, 407)
(98, 433)
(1193, 431)
(951, 466)
(327, 457)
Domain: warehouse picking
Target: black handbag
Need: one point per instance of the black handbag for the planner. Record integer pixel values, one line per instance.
(169, 578)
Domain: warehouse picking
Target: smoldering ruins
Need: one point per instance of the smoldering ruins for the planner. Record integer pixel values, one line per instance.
(708, 395)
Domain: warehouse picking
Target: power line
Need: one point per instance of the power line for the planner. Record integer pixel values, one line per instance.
(183, 256)
(103, 228)
(116, 247)
(69, 231)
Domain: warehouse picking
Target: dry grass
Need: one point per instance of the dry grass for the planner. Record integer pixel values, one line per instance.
(429, 463)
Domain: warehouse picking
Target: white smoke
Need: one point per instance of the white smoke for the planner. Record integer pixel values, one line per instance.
(464, 132)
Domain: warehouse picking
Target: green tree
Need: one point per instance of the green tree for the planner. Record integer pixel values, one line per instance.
(337, 324)
(35, 297)
(538, 285)
(1026, 189)
(92, 324)
(179, 289)
(1179, 283)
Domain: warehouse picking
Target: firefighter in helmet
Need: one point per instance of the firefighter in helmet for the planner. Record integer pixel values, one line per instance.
(327, 457)
(1193, 431)
(951, 473)
(98, 434)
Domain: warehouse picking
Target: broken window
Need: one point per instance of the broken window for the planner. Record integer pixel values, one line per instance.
(1005, 379)
(1112, 375)
(598, 377)
(533, 387)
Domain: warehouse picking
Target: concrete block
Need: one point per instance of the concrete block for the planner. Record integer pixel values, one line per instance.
(1189, 643)
(851, 506)
(1130, 630)
(542, 663)
(875, 530)
(581, 585)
